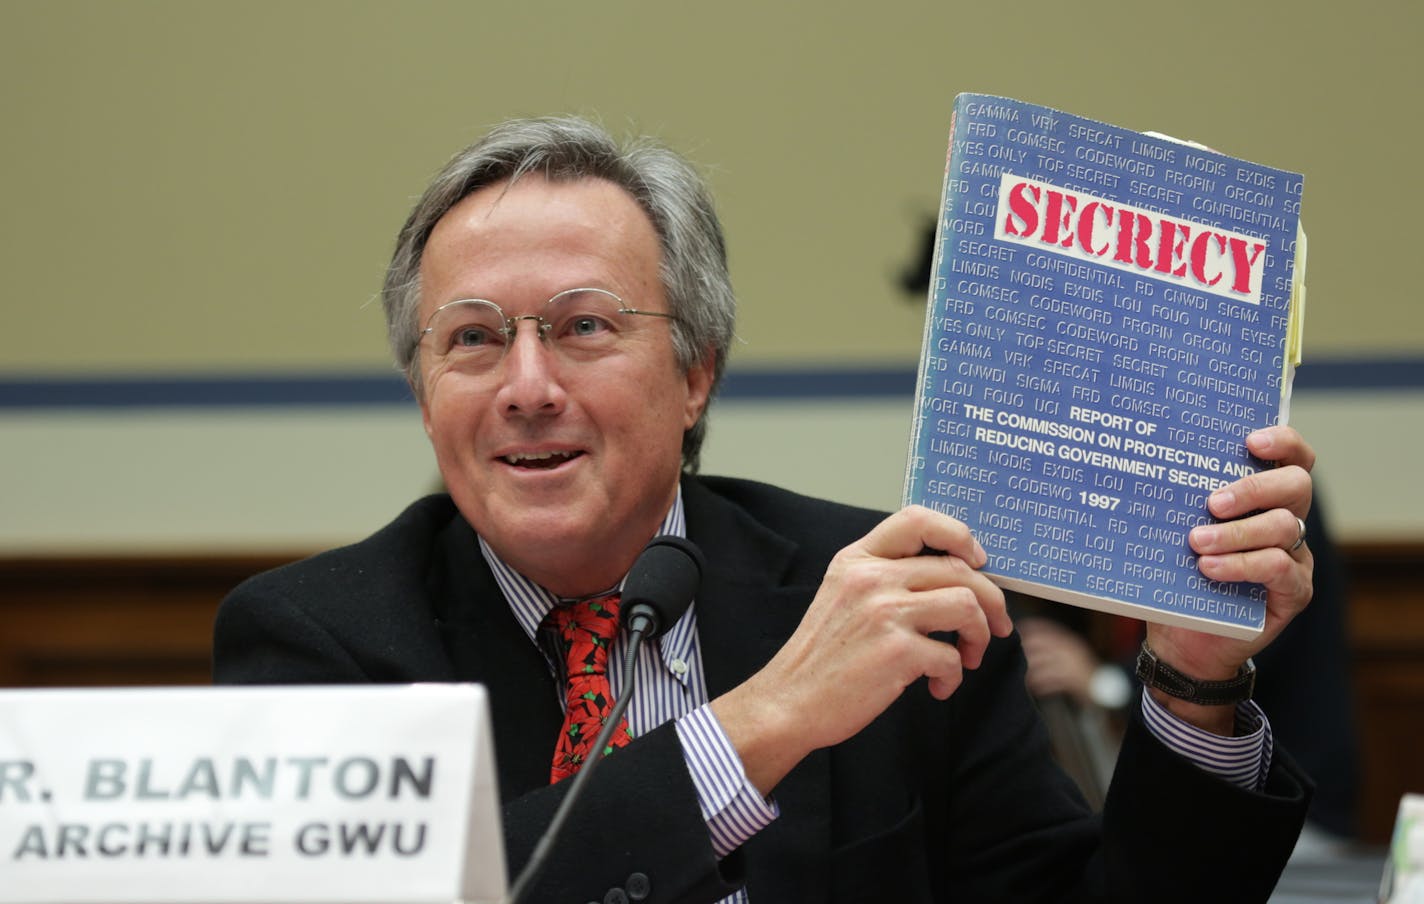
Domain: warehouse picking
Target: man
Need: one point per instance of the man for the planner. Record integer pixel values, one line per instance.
(562, 310)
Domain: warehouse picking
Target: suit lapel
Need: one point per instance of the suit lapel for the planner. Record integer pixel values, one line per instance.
(746, 610)
(487, 645)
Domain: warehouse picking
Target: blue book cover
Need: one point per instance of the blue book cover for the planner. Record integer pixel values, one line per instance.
(1110, 314)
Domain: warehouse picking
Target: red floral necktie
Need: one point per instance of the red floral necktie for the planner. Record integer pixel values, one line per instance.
(585, 631)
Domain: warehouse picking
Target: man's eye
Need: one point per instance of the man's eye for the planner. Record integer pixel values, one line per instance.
(585, 325)
(471, 337)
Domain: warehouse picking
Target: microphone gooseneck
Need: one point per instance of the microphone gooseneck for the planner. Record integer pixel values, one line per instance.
(658, 590)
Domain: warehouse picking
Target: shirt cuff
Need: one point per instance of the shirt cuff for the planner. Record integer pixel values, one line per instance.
(732, 807)
(1243, 760)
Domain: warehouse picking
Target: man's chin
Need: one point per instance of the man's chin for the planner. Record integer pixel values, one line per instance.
(524, 520)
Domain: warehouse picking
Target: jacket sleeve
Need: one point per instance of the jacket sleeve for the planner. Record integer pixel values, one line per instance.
(1015, 828)
(639, 815)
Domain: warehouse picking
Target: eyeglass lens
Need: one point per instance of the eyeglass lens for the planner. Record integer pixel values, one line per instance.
(578, 324)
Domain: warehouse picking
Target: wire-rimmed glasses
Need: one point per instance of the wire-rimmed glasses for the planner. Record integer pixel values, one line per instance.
(580, 324)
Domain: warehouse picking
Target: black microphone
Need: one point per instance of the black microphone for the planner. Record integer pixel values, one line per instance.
(661, 584)
(656, 593)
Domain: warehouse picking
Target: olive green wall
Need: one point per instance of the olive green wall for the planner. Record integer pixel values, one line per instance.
(193, 188)
(215, 186)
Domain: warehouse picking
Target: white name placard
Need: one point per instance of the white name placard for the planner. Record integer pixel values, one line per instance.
(245, 795)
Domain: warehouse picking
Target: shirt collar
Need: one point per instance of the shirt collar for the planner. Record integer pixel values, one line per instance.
(530, 602)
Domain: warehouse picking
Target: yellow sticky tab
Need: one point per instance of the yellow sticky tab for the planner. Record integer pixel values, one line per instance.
(1295, 328)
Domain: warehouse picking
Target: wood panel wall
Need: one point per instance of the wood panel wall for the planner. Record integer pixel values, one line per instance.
(101, 622)
(1387, 638)
(87, 622)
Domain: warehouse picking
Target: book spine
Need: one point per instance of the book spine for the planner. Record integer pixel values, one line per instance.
(914, 465)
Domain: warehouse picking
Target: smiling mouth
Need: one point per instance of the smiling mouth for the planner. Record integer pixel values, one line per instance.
(540, 461)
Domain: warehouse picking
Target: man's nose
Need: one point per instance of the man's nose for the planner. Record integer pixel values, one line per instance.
(529, 374)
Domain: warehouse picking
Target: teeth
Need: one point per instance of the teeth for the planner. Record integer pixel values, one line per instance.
(518, 457)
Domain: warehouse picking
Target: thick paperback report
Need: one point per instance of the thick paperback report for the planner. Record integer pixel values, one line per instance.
(1110, 314)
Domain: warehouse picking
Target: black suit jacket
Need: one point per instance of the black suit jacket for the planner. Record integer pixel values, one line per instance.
(934, 801)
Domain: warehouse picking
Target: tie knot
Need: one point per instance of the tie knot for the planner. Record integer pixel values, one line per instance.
(587, 621)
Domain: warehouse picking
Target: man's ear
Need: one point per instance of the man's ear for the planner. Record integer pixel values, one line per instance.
(423, 401)
(417, 390)
(699, 387)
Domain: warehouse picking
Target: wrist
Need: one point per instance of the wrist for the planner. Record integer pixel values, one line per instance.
(1184, 693)
(1219, 720)
(760, 734)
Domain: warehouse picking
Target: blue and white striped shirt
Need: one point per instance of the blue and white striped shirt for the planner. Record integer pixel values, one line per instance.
(670, 683)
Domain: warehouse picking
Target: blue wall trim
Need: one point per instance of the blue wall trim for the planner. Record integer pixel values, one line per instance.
(205, 391)
(742, 384)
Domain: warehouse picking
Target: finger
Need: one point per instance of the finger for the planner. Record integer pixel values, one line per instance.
(919, 595)
(909, 531)
(1044, 629)
(929, 573)
(1277, 527)
(1040, 660)
(1283, 445)
(1283, 574)
(862, 576)
(1033, 626)
(918, 655)
(1047, 680)
(1288, 487)
(956, 609)
(1037, 640)
(1034, 649)
(945, 670)
(990, 601)
(1039, 682)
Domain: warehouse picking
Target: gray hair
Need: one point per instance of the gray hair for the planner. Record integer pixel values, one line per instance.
(566, 149)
